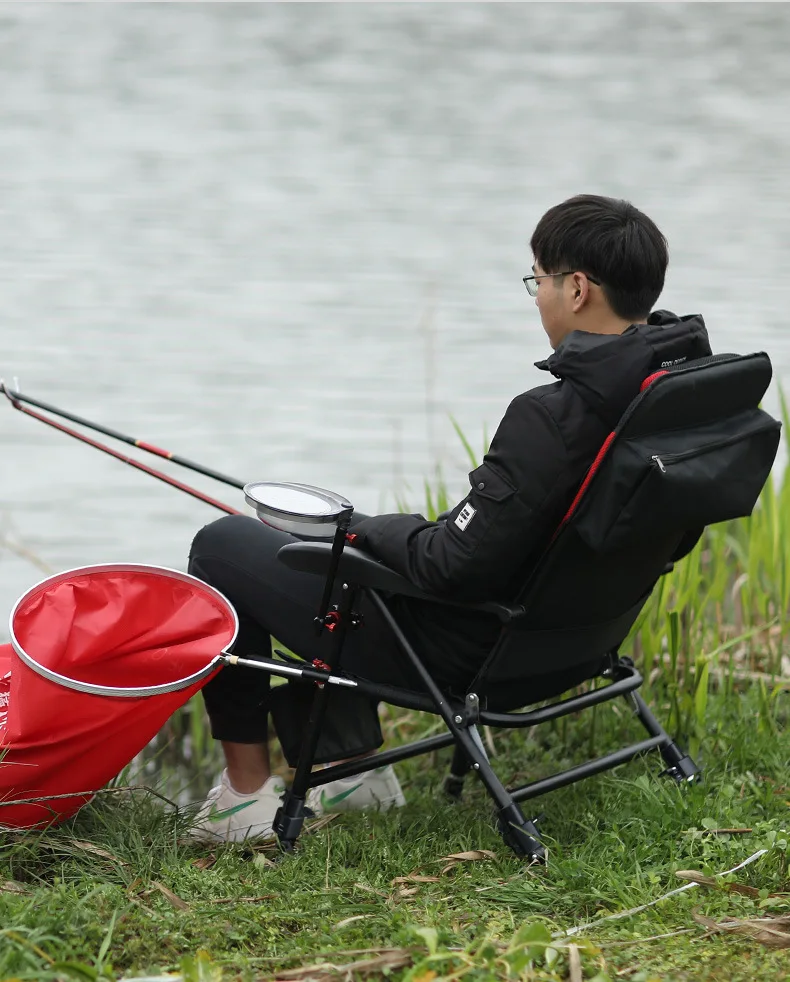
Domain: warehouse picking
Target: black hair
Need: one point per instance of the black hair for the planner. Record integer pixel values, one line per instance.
(612, 241)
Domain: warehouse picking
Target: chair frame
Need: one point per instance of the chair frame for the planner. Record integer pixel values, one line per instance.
(359, 573)
(461, 716)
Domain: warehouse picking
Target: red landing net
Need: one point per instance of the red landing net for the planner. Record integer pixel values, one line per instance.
(100, 658)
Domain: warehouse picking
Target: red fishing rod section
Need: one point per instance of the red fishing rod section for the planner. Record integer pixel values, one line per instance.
(17, 399)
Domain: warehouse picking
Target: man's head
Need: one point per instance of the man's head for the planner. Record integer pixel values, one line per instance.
(599, 266)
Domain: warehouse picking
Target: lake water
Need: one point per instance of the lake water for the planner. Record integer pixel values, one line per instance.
(287, 239)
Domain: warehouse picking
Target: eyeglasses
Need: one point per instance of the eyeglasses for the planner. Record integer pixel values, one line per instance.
(531, 282)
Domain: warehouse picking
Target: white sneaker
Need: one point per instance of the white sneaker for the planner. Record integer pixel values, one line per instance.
(372, 789)
(228, 816)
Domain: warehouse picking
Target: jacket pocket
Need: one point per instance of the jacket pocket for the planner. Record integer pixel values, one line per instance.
(488, 499)
(488, 483)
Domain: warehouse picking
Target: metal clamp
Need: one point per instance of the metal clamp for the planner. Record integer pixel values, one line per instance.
(333, 618)
(471, 711)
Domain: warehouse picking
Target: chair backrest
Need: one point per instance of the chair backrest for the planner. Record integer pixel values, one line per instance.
(692, 449)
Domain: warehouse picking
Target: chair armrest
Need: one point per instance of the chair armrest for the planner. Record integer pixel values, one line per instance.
(361, 568)
(356, 566)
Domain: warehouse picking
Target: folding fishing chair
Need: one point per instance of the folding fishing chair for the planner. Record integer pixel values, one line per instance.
(693, 448)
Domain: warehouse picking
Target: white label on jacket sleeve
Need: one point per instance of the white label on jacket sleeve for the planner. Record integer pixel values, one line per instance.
(465, 516)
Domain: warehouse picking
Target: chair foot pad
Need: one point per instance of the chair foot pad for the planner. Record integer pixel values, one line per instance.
(289, 820)
(684, 771)
(520, 834)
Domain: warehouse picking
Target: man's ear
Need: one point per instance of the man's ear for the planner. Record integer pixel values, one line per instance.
(580, 291)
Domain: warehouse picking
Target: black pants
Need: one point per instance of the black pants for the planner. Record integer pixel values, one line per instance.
(238, 556)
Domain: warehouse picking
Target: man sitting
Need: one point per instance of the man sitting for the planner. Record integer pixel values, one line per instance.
(599, 267)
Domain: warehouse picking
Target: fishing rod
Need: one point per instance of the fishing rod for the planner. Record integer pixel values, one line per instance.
(17, 399)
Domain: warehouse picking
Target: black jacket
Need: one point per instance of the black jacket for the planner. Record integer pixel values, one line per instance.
(540, 453)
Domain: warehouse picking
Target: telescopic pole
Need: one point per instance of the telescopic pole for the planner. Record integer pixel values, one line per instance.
(16, 402)
(16, 397)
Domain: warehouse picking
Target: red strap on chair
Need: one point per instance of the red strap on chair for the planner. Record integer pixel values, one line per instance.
(651, 378)
(599, 459)
(588, 477)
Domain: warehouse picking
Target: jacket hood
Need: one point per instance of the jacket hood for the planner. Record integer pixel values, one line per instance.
(608, 369)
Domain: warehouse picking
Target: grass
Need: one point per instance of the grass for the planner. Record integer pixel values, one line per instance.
(120, 890)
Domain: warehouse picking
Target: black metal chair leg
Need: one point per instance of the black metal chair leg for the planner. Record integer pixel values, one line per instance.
(680, 767)
(453, 785)
(290, 816)
(518, 832)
